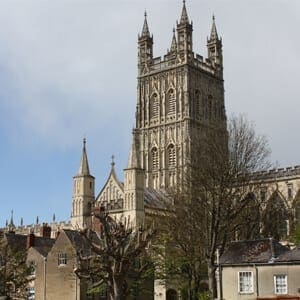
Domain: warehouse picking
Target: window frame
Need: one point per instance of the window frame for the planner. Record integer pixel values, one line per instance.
(277, 287)
(249, 290)
(62, 259)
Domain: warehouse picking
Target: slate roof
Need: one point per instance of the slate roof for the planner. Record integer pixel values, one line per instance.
(254, 251)
(18, 241)
(79, 241)
(156, 198)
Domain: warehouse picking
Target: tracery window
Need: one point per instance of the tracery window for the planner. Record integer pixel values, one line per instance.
(154, 106)
(154, 157)
(171, 102)
(171, 156)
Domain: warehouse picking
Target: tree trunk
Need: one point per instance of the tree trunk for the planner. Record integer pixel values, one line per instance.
(212, 280)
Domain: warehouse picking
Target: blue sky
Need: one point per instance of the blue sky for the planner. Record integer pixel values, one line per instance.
(68, 70)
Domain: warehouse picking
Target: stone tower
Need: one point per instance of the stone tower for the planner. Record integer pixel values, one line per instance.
(179, 97)
(134, 185)
(83, 194)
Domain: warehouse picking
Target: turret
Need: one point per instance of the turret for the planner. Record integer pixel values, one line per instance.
(134, 185)
(185, 35)
(83, 194)
(145, 42)
(214, 46)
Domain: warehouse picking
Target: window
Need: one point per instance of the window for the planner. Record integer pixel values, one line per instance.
(32, 266)
(280, 284)
(171, 102)
(290, 191)
(154, 155)
(245, 282)
(30, 293)
(62, 259)
(171, 156)
(197, 104)
(263, 194)
(154, 107)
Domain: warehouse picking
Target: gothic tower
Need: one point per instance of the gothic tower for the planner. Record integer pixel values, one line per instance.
(134, 185)
(83, 194)
(179, 97)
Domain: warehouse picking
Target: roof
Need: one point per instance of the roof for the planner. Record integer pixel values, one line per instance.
(78, 239)
(19, 241)
(253, 251)
(43, 245)
(156, 198)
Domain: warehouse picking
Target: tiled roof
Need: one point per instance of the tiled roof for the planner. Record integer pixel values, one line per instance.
(253, 251)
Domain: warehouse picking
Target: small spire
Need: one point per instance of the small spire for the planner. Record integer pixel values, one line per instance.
(84, 165)
(213, 33)
(184, 16)
(145, 30)
(37, 220)
(53, 218)
(21, 222)
(174, 42)
(134, 159)
(112, 161)
(11, 223)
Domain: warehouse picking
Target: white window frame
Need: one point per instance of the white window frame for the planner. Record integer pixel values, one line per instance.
(282, 288)
(62, 258)
(245, 290)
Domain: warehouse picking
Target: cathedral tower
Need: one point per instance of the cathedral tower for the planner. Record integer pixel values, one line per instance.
(179, 97)
(83, 194)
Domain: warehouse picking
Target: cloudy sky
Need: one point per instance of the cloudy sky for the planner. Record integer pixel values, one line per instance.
(68, 70)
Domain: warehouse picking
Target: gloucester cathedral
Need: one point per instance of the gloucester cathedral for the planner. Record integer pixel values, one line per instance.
(179, 96)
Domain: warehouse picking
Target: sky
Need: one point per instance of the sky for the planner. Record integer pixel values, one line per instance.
(68, 70)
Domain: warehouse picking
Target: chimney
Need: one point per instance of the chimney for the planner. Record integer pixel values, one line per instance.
(45, 231)
(30, 240)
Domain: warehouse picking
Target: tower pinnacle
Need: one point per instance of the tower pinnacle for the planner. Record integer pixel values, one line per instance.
(184, 16)
(145, 30)
(174, 42)
(84, 165)
(213, 33)
(133, 161)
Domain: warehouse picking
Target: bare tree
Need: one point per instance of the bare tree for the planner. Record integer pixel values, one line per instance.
(118, 252)
(208, 210)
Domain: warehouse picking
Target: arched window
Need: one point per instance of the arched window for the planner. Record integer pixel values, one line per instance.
(171, 156)
(154, 158)
(275, 218)
(171, 294)
(154, 106)
(171, 102)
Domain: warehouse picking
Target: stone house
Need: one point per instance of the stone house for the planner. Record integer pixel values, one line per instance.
(259, 269)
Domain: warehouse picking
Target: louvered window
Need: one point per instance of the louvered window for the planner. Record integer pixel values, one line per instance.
(171, 156)
(154, 106)
(171, 102)
(154, 154)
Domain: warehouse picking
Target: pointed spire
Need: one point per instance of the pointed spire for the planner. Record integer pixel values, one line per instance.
(112, 162)
(134, 160)
(184, 16)
(145, 30)
(53, 218)
(174, 42)
(11, 223)
(213, 33)
(84, 165)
